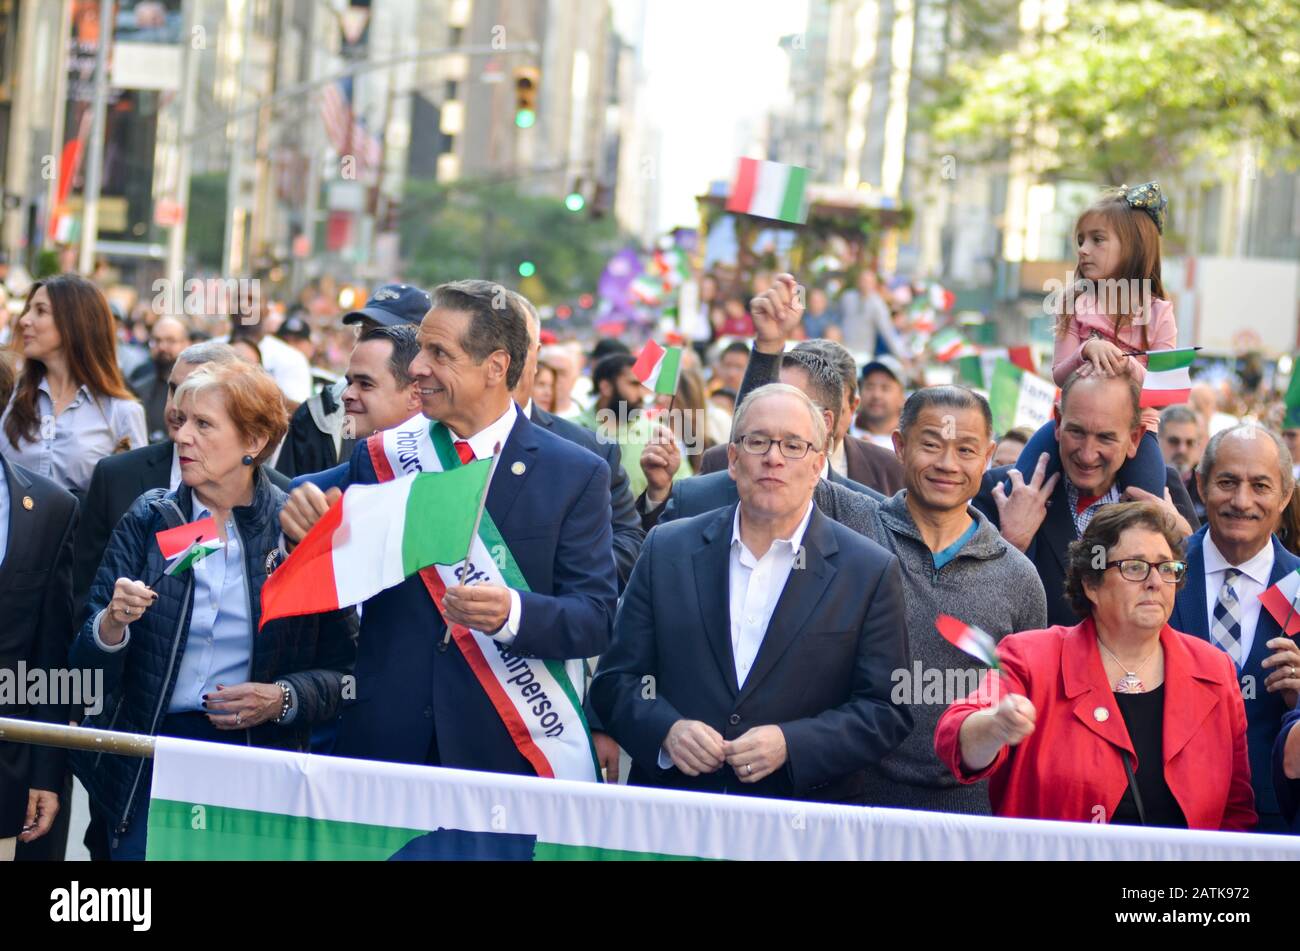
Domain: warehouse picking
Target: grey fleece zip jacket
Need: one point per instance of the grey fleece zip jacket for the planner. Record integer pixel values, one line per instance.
(989, 585)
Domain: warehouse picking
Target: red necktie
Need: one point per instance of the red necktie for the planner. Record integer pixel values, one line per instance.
(465, 451)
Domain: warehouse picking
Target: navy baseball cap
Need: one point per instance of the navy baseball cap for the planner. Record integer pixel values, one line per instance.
(393, 305)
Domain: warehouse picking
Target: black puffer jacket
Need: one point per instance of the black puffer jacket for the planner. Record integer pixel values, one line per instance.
(312, 653)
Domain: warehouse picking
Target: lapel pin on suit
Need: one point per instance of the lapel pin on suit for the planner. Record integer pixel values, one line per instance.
(518, 468)
(1101, 714)
(28, 503)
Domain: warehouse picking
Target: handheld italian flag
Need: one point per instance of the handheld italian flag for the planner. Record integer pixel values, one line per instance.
(947, 344)
(1280, 600)
(658, 368)
(376, 537)
(969, 639)
(770, 190)
(1168, 381)
(186, 545)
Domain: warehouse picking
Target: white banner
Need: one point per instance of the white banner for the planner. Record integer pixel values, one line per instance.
(216, 801)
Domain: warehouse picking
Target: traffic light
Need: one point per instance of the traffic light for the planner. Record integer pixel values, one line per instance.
(575, 202)
(526, 78)
(527, 268)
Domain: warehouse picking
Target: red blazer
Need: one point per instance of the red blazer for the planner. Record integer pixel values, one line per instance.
(1071, 763)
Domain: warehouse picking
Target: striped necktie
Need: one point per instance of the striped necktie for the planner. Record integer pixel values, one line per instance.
(1225, 627)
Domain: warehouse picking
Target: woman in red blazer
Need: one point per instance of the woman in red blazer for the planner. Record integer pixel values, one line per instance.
(1072, 706)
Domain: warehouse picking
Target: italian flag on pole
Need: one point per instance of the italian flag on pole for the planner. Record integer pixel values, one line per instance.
(770, 190)
(1168, 380)
(658, 368)
(970, 639)
(1280, 600)
(377, 536)
(186, 545)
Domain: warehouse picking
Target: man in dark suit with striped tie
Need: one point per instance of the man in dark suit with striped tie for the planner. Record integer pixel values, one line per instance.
(1246, 480)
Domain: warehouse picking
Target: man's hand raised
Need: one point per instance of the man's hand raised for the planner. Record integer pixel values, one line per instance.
(304, 508)
(777, 313)
(1021, 513)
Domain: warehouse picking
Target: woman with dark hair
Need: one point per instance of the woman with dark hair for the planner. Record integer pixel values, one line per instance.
(1120, 718)
(70, 407)
(182, 652)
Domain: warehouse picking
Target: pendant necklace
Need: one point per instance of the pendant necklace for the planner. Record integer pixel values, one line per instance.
(1130, 682)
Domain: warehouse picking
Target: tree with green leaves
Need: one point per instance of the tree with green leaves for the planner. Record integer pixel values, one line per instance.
(486, 229)
(1128, 91)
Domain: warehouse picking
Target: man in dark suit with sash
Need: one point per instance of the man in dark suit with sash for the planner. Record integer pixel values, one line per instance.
(473, 697)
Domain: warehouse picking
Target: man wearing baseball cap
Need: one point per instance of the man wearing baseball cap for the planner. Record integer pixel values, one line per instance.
(316, 440)
(391, 305)
(882, 401)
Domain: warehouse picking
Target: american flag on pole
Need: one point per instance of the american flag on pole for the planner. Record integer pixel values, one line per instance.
(348, 134)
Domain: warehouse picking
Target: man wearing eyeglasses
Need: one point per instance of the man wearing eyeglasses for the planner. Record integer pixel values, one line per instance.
(1246, 481)
(754, 646)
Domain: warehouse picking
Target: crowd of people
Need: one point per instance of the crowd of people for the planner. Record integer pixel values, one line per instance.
(743, 581)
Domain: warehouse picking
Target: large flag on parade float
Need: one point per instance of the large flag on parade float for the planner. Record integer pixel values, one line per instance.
(223, 801)
(1168, 380)
(658, 368)
(1019, 398)
(770, 190)
(375, 537)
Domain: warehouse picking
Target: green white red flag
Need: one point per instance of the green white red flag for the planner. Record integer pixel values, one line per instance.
(658, 368)
(375, 537)
(969, 639)
(770, 190)
(1168, 380)
(1280, 600)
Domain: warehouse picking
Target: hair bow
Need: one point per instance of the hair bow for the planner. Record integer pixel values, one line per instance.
(1148, 198)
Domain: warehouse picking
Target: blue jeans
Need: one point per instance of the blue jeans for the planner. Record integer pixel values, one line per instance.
(130, 845)
(1146, 470)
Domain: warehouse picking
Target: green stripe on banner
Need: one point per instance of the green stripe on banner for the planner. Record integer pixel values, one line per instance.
(669, 369)
(792, 201)
(440, 512)
(1158, 361)
(182, 830)
(196, 832)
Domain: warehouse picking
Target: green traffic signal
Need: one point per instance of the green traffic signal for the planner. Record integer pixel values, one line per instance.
(527, 269)
(525, 118)
(575, 202)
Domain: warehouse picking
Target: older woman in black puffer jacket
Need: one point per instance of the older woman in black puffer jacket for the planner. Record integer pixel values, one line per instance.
(181, 653)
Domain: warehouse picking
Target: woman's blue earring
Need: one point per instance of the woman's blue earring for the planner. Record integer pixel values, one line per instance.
(247, 460)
